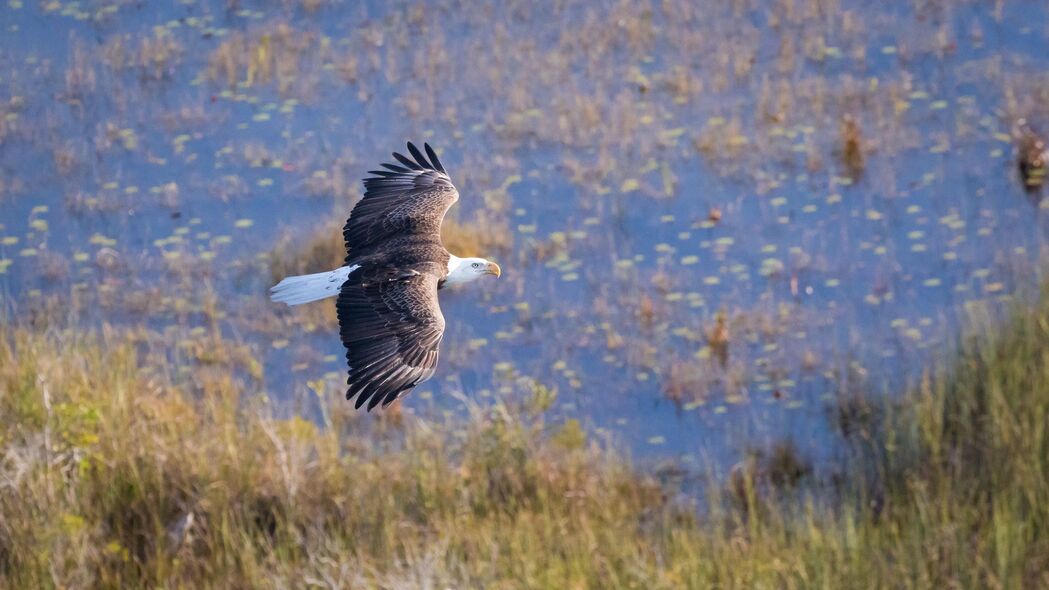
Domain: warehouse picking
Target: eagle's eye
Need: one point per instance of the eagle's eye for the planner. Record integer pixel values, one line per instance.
(476, 265)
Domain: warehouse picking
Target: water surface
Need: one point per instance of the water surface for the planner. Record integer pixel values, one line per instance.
(648, 168)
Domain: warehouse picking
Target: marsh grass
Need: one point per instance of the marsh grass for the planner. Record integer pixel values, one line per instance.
(277, 55)
(194, 111)
(120, 471)
(852, 147)
(113, 476)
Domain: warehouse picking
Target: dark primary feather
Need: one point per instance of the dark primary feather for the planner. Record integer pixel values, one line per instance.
(433, 157)
(411, 198)
(389, 318)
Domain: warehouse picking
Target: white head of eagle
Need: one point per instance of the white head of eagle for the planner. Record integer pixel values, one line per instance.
(390, 320)
(465, 270)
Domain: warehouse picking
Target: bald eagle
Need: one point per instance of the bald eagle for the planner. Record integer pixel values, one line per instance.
(389, 317)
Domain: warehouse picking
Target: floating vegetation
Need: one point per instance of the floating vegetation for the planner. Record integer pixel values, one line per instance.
(1032, 156)
(274, 55)
(815, 192)
(194, 479)
(852, 146)
(718, 338)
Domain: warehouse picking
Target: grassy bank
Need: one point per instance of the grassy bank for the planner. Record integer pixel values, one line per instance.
(114, 477)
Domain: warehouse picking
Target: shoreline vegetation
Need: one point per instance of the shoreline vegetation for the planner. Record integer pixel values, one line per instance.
(114, 476)
(655, 176)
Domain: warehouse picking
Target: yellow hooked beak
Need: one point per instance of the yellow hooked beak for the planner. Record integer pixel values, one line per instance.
(493, 269)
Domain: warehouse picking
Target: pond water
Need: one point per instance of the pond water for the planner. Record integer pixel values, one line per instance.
(700, 253)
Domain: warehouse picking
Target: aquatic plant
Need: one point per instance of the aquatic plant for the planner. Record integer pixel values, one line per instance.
(114, 475)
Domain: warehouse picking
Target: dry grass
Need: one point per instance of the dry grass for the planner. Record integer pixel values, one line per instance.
(279, 55)
(113, 476)
(852, 146)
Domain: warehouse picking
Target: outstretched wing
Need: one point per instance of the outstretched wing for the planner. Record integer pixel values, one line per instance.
(391, 327)
(404, 199)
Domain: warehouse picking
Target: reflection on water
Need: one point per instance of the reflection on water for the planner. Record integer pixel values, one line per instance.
(720, 218)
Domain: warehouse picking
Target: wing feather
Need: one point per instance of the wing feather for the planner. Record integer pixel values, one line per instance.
(433, 158)
(411, 198)
(419, 157)
(391, 325)
(410, 164)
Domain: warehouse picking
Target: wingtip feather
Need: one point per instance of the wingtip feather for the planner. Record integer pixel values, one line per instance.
(419, 157)
(433, 158)
(358, 402)
(406, 161)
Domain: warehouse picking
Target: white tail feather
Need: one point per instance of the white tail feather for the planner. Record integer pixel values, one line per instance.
(306, 288)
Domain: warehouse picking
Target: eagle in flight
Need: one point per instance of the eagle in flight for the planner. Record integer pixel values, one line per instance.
(389, 318)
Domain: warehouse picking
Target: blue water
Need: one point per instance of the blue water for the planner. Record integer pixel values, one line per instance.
(138, 182)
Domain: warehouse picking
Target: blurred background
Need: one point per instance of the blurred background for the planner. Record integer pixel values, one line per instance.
(716, 220)
(773, 309)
